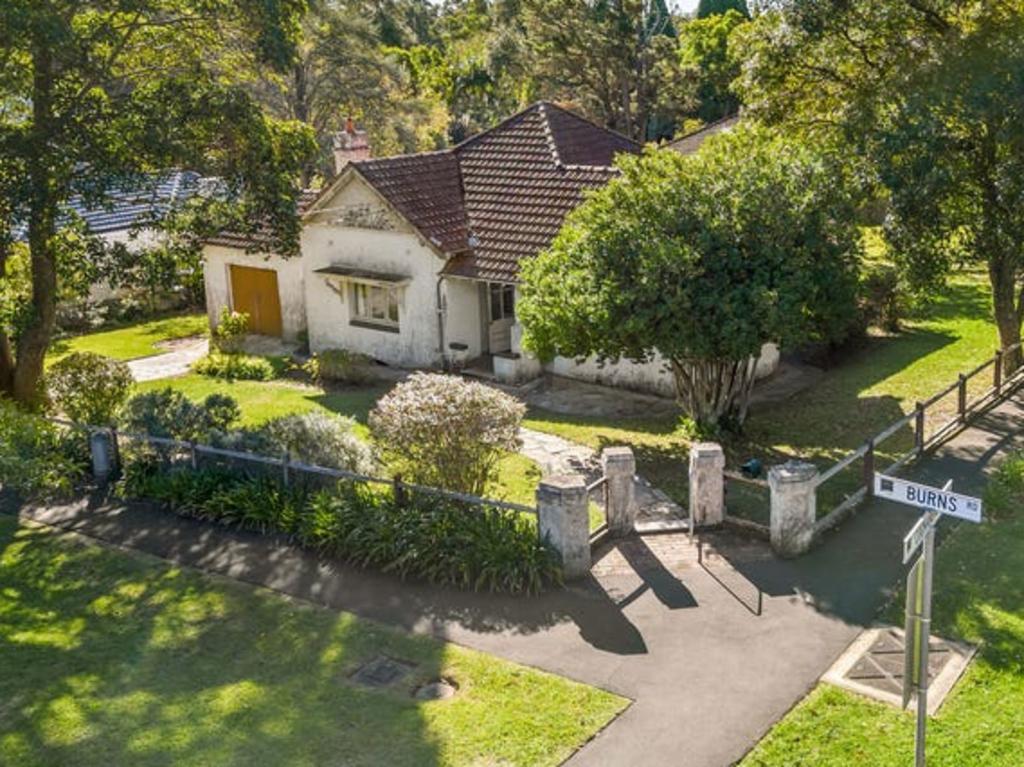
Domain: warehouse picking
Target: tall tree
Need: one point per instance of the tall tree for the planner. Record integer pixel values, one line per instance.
(341, 70)
(609, 56)
(94, 92)
(708, 8)
(701, 260)
(708, 62)
(931, 94)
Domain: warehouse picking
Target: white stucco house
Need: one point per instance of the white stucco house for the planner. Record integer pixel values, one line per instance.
(414, 259)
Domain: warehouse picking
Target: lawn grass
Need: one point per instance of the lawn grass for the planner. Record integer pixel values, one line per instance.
(133, 341)
(979, 597)
(117, 659)
(260, 401)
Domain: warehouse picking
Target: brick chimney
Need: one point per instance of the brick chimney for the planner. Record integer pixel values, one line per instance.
(350, 144)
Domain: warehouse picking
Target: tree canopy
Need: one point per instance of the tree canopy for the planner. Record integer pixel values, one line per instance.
(96, 93)
(701, 260)
(709, 8)
(931, 97)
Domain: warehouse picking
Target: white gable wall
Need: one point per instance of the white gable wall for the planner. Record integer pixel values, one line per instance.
(386, 244)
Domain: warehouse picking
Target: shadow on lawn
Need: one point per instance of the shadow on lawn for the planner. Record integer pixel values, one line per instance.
(109, 660)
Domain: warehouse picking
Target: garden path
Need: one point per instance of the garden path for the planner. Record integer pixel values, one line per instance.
(556, 455)
(175, 362)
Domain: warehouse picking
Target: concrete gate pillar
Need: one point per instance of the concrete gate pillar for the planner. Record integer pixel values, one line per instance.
(619, 467)
(564, 522)
(101, 447)
(707, 484)
(793, 507)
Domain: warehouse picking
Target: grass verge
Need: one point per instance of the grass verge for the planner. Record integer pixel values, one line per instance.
(111, 658)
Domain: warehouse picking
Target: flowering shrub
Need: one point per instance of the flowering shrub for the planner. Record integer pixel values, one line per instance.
(446, 432)
(89, 388)
(231, 330)
(315, 438)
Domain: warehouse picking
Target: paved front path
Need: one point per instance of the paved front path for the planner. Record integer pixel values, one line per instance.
(175, 362)
(556, 455)
(707, 674)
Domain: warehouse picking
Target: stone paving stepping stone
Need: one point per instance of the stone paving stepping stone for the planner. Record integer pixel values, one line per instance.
(382, 671)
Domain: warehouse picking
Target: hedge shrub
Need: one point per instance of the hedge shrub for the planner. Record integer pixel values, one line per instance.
(440, 541)
(342, 366)
(169, 413)
(234, 367)
(38, 457)
(231, 330)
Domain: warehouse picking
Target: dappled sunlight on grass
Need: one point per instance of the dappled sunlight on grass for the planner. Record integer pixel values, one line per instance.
(162, 666)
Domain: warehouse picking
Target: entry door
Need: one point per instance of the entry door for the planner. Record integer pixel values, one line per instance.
(254, 291)
(501, 305)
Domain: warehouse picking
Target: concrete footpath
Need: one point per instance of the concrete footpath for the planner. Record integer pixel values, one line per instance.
(711, 653)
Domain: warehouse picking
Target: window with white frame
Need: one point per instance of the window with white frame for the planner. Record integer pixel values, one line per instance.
(503, 301)
(375, 305)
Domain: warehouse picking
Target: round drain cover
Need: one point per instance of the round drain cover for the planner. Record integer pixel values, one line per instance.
(440, 689)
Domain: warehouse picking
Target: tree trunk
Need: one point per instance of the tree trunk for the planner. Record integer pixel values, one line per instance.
(1007, 310)
(34, 339)
(711, 390)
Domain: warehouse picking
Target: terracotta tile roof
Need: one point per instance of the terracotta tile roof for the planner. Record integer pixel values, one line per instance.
(501, 195)
(426, 189)
(262, 236)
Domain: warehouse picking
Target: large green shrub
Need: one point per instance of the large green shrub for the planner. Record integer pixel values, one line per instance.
(169, 413)
(446, 432)
(342, 366)
(234, 367)
(444, 542)
(89, 388)
(37, 456)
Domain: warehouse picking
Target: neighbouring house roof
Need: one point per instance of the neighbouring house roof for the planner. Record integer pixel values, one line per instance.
(261, 237)
(131, 204)
(502, 195)
(691, 142)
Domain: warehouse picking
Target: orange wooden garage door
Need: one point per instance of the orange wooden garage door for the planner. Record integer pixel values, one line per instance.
(254, 291)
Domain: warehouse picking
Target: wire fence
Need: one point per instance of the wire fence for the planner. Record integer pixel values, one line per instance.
(174, 453)
(850, 481)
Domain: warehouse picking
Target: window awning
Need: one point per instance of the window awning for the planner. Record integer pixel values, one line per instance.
(357, 274)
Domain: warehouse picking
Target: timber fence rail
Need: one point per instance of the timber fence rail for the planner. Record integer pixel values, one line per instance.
(192, 454)
(932, 422)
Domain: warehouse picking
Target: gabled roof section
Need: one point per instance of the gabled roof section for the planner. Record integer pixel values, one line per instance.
(502, 195)
(426, 189)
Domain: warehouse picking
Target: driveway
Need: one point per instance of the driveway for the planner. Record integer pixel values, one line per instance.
(711, 653)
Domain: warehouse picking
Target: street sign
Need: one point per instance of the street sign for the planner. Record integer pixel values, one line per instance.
(930, 498)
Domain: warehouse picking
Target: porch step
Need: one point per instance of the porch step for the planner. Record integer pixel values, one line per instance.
(663, 525)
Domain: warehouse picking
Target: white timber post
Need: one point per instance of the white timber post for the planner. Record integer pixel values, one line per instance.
(793, 507)
(564, 522)
(619, 467)
(707, 484)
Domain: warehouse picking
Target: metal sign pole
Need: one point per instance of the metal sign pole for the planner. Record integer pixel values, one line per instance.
(925, 621)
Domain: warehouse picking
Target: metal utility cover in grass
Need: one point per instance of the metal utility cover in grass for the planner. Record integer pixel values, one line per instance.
(382, 671)
(873, 666)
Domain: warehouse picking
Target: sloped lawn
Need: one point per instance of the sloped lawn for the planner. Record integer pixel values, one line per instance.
(116, 659)
(979, 597)
(132, 341)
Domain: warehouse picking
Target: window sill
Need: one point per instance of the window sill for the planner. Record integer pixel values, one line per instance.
(373, 326)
